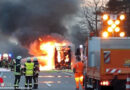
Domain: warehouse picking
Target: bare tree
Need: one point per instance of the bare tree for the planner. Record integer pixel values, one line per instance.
(91, 11)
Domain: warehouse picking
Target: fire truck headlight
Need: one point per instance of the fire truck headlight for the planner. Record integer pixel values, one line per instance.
(5, 55)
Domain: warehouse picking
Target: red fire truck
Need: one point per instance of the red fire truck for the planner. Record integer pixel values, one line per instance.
(5, 59)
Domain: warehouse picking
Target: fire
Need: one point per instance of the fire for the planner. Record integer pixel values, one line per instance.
(49, 50)
(67, 58)
(59, 57)
(44, 49)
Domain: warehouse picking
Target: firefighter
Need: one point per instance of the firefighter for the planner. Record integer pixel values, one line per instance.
(36, 73)
(12, 63)
(3, 63)
(17, 71)
(0, 62)
(29, 67)
(78, 72)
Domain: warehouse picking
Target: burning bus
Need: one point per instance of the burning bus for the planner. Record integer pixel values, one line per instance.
(63, 57)
(52, 52)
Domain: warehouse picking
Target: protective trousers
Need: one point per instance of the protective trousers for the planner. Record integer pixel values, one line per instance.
(79, 79)
(35, 79)
(28, 81)
(17, 80)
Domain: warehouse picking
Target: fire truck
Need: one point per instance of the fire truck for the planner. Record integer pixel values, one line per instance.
(63, 57)
(107, 63)
(5, 59)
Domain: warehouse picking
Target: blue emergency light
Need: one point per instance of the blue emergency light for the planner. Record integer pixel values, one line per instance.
(10, 55)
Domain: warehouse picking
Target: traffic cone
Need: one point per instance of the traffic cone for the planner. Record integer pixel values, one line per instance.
(128, 83)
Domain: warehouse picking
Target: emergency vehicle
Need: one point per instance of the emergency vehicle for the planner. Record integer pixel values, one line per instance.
(6, 56)
(108, 63)
(5, 59)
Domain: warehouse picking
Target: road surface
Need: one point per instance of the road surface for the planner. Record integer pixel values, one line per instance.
(48, 80)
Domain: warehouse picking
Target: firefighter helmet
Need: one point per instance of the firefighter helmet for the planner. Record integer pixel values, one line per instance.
(18, 57)
(28, 59)
(35, 59)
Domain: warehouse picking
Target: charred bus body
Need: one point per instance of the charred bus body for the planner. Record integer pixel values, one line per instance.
(63, 57)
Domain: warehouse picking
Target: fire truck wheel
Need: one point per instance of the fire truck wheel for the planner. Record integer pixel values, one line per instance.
(97, 85)
(88, 84)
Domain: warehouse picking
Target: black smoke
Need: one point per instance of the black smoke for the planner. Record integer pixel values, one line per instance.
(27, 20)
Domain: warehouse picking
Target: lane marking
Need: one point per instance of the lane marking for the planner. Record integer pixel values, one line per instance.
(68, 73)
(4, 70)
(48, 84)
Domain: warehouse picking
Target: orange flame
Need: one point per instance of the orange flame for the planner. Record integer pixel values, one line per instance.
(67, 58)
(44, 49)
(49, 50)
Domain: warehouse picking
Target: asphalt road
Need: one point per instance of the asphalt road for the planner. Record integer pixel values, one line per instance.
(48, 80)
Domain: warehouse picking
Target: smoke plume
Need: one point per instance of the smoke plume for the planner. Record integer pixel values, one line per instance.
(27, 20)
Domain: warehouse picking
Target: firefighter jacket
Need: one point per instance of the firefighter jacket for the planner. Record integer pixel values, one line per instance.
(17, 68)
(29, 67)
(36, 68)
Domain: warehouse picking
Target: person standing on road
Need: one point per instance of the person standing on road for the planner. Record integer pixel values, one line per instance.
(78, 72)
(0, 62)
(29, 68)
(17, 71)
(36, 73)
(12, 63)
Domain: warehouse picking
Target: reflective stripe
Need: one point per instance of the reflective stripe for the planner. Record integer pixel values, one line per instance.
(128, 83)
(106, 57)
(128, 79)
(15, 85)
(113, 70)
(127, 86)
